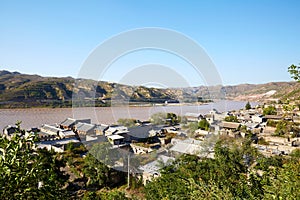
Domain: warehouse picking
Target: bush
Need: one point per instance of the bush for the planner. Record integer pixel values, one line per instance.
(203, 125)
(231, 118)
(270, 110)
(127, 122)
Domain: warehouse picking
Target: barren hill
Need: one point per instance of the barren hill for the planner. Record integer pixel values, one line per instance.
(23, 90)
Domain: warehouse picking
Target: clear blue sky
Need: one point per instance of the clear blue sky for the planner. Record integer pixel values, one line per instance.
(249, 41)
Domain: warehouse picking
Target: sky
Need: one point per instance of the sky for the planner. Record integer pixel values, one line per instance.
(248, 41)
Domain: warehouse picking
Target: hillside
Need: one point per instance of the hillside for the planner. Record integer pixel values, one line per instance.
(22, 90)
(261, 92)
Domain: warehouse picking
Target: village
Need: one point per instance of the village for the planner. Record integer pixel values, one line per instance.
(273, 128)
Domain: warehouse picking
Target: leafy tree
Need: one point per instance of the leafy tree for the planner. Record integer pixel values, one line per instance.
(127, 122)
(113, 195)
(294, 72)
(231, 118)
(270, 110)
(98, 174)
(289, 110)
(284, 182)
(107, 195)
(104, 153)
(29, 173)
(191, 127)
(248, 106)
(264, 163)
(286, 127)
(272, 123)
(295, 153)
(158, 118)
(203, 124)
(281, 128)
(165, 118)
(98, 165)
(172, 119)
(193, 178)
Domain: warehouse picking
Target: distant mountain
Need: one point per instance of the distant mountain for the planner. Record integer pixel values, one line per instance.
(23, 90)
(261, 92)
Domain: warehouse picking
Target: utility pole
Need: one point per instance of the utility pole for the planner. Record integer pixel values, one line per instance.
(128, 166)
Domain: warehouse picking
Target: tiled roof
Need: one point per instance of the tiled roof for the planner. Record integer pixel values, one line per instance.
(273, 117)
(68, 122)
(101, 127)
(231, 125)
(186, 148)
(50, 128)
(196, 115)
(115, 137)
(141, 131)
(153, 167)
(85, 127)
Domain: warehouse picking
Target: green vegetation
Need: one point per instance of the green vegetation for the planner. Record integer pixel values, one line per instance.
(231, 118)
(248, 106)
(165, 118)
(173, 119)
(295, 153)
(158, 118)
(106, 194)
(284, 182)
(191, 127)
(285, 128)
(203, 124)
(262, 141)
(282, 128)
(271, 123)
(263, 163)
(192, 178)
(127, 122)
(294, 72)
(26, 173)
(270, 110)
(30, 173)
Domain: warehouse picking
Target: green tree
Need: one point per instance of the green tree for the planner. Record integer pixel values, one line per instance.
(281, 128)
(295, 153)
(98, 174)
(192, 127)
(98, 164)
(165, 118)
(289, 110)
(264, 163)
(29, 173)
(284, 127)
(158, 118)
(294, 72)
(284, 181)
(172, 119)
(127, 122)
(248, 106)
(190, 177)
(106, 194)
(231, 118)
(270, 110)
(203, 124)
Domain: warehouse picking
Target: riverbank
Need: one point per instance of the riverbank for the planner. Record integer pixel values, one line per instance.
(35, 117)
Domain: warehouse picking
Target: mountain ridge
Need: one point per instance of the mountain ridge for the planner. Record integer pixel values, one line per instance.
(24, 90)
